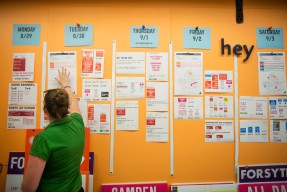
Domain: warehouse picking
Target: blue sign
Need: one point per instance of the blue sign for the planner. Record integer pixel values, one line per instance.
(250, 129)
(16, 163)
(243, 130)
(143, 36)
(26, 34)
(78, 35)
(197, 38)
(270, 38)
(262, 173)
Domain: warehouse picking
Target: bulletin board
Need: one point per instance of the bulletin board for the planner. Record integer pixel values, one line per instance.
(136, 160)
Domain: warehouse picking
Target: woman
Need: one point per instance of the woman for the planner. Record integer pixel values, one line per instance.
(56, 152)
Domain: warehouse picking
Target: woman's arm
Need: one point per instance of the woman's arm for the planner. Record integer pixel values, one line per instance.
(33, 173)
(63, 80)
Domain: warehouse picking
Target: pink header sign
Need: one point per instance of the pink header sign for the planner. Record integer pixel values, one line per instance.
(263, 187)
(135, 187)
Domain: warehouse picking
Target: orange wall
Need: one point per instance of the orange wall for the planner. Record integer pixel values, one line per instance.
(135, 159)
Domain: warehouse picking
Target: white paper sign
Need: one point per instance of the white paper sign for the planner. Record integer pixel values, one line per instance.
(253, 131)
(272, 73)
(92, 63)
(22, 94)
(188, 73)
(127, 115)
(218, 81)
(21, 117)
(157, 96)
(204, 187)
(99, 118)
(23, 66)
(130, 87)
(278, 107)
(157, 66)
(83, 109)
(96, 90)
(253, 107)
(219, 106)
(188, 108)
(130, 62)
(278, 131)
(157, 126)
(45, 122)
(219, 131)
(58, 61)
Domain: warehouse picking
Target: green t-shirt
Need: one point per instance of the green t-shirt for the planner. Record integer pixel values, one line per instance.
(61, 144)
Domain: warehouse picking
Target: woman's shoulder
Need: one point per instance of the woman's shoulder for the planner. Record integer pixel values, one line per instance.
(77, 116)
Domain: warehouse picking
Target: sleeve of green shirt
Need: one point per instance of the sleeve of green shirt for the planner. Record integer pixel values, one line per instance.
(40, 148)
(78, 117)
